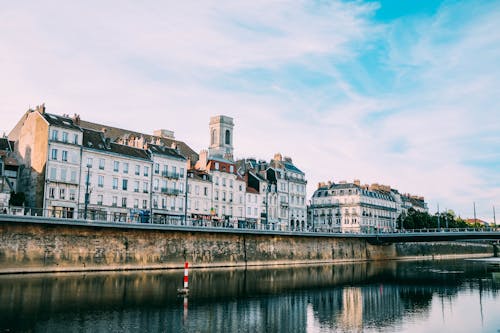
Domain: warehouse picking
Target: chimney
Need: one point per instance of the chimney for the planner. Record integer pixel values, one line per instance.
(163, 133)
(76, 119)
(357, 182)
(278, 157)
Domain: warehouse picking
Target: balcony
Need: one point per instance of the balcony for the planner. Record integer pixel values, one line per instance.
(173, 175)
(170, 191)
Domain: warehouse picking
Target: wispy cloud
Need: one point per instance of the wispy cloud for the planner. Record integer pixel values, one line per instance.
(410, 101)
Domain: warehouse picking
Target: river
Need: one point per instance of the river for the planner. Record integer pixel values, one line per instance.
(392, 296)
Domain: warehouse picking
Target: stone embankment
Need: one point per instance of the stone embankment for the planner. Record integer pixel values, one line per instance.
(42, 247)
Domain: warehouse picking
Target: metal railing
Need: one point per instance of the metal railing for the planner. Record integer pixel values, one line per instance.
(175, 217)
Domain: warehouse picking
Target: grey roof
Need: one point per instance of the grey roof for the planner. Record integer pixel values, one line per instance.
(6, 145)
(60, 121)
(220, 159)
(95, 140)
(115, 133)
(291, 167)
(165, 151)
(323, 191)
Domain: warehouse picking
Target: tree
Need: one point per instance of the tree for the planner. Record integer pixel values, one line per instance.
(17, 199)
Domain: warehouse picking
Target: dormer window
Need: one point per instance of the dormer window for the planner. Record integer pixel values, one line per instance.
(216, 165)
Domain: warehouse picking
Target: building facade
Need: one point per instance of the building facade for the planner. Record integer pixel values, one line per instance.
(350, 207)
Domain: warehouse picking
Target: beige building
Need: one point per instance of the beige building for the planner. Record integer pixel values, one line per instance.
(49, 146)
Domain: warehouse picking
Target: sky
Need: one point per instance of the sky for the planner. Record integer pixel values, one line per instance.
(397, 92)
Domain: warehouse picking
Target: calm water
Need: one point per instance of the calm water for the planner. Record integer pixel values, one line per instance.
(439, 296)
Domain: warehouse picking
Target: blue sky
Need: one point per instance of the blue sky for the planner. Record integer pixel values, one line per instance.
(397, 92)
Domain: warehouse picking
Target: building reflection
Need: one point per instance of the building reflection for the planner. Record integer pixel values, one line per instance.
(341, 297)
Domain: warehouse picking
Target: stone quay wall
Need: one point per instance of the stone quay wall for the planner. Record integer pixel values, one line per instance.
(54, 247)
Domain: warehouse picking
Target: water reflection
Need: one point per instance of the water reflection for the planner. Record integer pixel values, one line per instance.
(396, 296)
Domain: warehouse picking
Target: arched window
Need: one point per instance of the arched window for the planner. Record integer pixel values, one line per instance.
(228, 137)
(213, 137)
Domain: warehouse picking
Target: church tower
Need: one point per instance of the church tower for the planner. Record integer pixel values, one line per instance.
(221, 137)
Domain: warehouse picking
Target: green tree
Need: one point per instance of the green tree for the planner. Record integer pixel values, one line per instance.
(17, 199)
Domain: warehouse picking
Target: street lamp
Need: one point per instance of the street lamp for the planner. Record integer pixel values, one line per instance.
(87, 192)
(186, 199)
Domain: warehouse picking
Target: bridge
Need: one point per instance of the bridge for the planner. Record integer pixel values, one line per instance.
(419, 235)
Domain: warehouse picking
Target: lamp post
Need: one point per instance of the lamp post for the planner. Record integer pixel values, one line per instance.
(186, 199)
(267, 204)
(439, 221)
(87, 192)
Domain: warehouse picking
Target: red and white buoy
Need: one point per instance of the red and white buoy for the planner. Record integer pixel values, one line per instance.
(185, 289)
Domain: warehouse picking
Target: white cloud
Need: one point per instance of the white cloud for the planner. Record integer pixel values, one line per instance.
(158, 64)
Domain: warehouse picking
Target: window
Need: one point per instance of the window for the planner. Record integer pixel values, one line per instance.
(54, 154)
(216, 196)
(100, 181)
(163, 203)
(125, 167)
(157, 168)
(137, 170)
(55, 134)
(116, 166)
(145, 187)
(75, 139)
(216, 165)
(216, 180)
(124, 184)
(144, 204)
(65, 137)
(231, 168)
(230, 183)
(52, 192)
(231, 197)
(114, 202)
(124, 202)
(101, 163)
(213, 137)
(197, 190)
(228, 137)
(155, 202)
(72, 195)
(115, 183)
(181, 172)
(156, 184)
(174, 170)
(64, 155)
(205, 191)
(62, 193)
(223, 181)
(99, 199)
(136, 186)
(89, 162)
(146, 171)
(223, 196)
(136, 203)
(73, 176)
(53, 172)
(63, 174)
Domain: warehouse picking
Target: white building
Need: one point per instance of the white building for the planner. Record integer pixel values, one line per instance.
(169, 183)
(350, 207)
(118, 178)
(200, 203)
